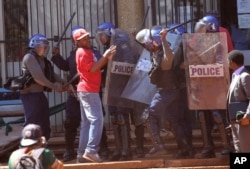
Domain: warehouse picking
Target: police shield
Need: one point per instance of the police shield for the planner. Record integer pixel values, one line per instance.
(120, 69)
(207, 70)
(139, 87)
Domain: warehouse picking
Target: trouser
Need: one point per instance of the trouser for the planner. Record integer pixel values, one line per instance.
(207, 119)
(137, 121)
(72, 122)
(163, 101)
(174, 116)
(91, 122)
(153, 126)
(139, 134)
(36, 109)
(121, 127)
(185, 115)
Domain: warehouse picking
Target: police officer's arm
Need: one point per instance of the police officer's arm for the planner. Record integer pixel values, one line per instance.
(37, 73)
(58, 60)
(245, 80)
(109, 53)
(168, 54)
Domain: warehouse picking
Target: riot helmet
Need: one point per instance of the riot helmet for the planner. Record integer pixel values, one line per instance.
(39, 44)
(153, 40)
(141, 36)
(104, 32)
(179, 30)
(212, 23)
(38, 40)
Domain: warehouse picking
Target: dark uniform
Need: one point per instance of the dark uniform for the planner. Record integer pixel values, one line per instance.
(207, 118)
(120, 108)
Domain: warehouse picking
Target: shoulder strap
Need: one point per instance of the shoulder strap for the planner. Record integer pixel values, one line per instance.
(37, 152)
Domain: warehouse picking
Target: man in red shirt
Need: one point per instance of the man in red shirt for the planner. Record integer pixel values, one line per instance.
(88, 68)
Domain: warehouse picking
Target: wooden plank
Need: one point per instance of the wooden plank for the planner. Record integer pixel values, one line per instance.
(118, 165)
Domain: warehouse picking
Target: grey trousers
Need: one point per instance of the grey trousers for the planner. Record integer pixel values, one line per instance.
(241, 138)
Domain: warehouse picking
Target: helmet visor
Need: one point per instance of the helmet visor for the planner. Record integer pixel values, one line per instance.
(42, 49)
(101, 37)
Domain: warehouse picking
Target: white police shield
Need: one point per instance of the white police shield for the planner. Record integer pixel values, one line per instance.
(139, 87)
(207, 70)
(120, 69)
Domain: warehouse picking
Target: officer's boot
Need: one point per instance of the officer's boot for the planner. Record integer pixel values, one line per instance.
(70, 134)
(153, 129)
(184, 149)
(181, 139)
(208, 146)
(123, 120)
(225, 141)
(139, 133)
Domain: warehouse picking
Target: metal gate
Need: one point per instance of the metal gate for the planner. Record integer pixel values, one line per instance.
(165, 12)
(23, 18)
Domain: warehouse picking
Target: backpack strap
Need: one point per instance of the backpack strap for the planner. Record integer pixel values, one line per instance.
(37, 152)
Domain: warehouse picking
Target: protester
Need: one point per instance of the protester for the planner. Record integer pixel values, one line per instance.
(32, 141)
(89, 70)
(35, 102)
(73, 113)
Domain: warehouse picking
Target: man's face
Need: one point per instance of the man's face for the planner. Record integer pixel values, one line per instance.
(152, 46)
(84, 42)
(42, 50)
(102, 38)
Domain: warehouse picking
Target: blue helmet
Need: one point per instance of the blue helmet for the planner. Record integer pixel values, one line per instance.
(179, 30)
(105, 27)
(155, 34)
(74, 29)
(38, 40)
(211, 22)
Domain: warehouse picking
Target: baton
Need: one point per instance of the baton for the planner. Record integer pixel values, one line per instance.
(142, 26)
(65, 29)
(71, 80)
(70, 85)
(73, 91)
(184, 23)
(144, 19)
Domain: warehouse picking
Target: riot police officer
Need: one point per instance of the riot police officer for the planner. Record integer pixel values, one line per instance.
(209, 24)
(116, 79)
(35, 102)
(164, 75)
(185, 114)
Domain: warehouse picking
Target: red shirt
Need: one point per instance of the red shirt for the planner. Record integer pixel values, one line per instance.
(230, 46)
(89, 81)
